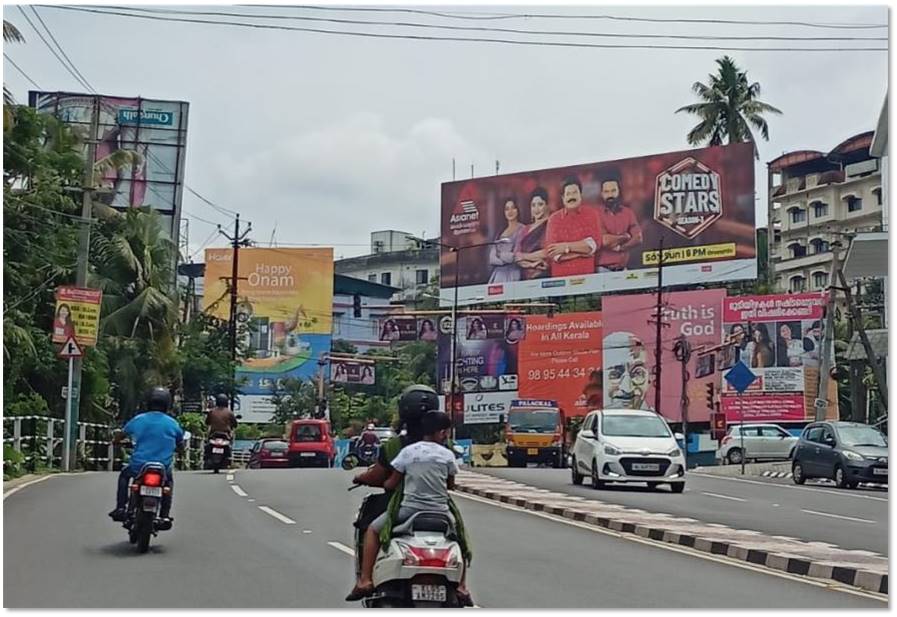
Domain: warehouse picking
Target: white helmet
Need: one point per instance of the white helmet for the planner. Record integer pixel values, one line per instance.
(370, 427)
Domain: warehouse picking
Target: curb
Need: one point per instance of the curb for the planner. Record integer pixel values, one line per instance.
(785, 562)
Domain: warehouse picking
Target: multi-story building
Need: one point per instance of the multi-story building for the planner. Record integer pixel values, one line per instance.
(397, 259)
(356, 321)
(814, 198)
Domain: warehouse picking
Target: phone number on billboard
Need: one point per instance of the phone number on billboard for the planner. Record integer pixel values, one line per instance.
(565, 373)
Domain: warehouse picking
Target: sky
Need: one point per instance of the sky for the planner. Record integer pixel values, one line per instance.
(322, 139)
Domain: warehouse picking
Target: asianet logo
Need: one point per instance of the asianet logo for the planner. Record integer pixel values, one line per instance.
(465, 219)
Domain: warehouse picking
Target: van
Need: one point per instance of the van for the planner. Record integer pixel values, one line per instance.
(310, 443)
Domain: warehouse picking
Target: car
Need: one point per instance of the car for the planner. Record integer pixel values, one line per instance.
(768, 442)
(270, 452)
(311, 443)
(627, 445)
(384, 433)
(846, 452)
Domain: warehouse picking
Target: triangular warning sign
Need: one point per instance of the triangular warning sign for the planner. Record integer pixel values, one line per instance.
(70, 349)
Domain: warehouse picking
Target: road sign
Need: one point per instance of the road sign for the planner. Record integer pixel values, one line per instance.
(740, 377)
(70, 349)
(820, 403)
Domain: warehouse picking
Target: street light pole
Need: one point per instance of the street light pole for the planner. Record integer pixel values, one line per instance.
(453, 389)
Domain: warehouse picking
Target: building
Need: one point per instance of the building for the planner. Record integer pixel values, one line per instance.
(361, 329)
(815, 198)
(396, 260)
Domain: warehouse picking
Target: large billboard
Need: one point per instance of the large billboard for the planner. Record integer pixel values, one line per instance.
(779, 338)
(153, 134)
(560, 360)
(630, 339)
(597, 227)
(285, 297)
(485, 362)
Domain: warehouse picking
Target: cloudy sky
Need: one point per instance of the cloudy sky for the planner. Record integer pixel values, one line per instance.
(328, 138)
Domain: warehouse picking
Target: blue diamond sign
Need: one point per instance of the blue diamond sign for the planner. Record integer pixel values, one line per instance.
(740, 377)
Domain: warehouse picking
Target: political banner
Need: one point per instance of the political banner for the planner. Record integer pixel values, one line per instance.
(77, 315)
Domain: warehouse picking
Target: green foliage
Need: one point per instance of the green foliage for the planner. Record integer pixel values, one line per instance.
(294, 399)
(13, 462)
(193, 422)
(31, 404)
(247, 431)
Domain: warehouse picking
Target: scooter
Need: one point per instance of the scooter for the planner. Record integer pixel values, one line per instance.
(365, 454)
(217, 452)
(147, 491)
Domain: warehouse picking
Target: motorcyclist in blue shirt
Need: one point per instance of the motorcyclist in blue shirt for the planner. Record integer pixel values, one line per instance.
(155, 436)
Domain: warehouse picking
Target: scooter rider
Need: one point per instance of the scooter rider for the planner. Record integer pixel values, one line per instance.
(221, 419)
(155, 436)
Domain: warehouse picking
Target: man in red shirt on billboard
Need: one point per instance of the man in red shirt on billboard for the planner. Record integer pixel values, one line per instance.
(573, 234)
(621, 228)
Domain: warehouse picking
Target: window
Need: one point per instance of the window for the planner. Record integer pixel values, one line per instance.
(798, 215)
(386, 278)
(797, 250)
(820, 209)
(372, 278)
(819, 246)
(820, 280)
(814, 434)
(797, 284)
(422, 277)
(877, 192)
(772, 431)
(854, 204)
(827, 434)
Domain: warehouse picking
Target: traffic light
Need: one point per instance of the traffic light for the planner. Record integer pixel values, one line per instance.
(356, 306)
(711, 392)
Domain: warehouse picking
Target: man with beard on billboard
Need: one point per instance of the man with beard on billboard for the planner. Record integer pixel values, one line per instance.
(621, 229)
(573, 234)
(626, 373)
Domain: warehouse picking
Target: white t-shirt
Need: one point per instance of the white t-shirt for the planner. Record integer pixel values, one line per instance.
(427, 466)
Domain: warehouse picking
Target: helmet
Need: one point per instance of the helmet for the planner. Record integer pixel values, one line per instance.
(222, 400)
(415, 401)
(369, 427)
(159, 399)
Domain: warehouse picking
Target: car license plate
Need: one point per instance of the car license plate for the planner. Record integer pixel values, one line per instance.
(645, 467)
(532, 451)
(880, 472)
(307, 454)
(151, 491)
(428, 593)
(217, 450)
(276, 454)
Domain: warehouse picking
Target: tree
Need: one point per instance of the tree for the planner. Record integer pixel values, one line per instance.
(204, 359)
(728, 108)
(294, 399)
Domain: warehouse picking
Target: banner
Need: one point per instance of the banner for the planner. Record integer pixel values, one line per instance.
(285, 297)
(779, 337)
(77, 315)
(560, 360)
(393, 329)
(630, 337)
(598, 227)
(484, 407)
(347, 371)
(483, 365)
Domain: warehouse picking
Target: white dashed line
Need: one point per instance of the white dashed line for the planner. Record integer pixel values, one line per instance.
(236, 488)
(230, 477)
(16, 489)
(723, 496)
(846, 518)
(283, 519)
(342, 548)
(791, 487)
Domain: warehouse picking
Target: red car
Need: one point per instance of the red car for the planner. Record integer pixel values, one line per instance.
(311, 443)
(269, 453)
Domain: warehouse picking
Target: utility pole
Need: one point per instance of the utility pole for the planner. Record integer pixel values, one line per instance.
(238, 240)
(828, 336)
(453, 352)
(87, 189)
(682, 349)
(658, 347)
(874, 363)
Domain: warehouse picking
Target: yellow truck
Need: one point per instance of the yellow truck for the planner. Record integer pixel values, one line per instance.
(534, 433)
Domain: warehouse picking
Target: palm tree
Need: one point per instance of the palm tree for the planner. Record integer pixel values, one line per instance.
(728, 108)
(11, 34)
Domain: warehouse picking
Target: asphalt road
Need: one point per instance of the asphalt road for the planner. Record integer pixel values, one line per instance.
(279, 539)
(852, 519)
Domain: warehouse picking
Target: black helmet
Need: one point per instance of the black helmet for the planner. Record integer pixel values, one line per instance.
(159, 399)
(415, 401)
(222, 400)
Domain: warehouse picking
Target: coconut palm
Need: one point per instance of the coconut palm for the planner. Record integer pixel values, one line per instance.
(728, 108)
(11, 34)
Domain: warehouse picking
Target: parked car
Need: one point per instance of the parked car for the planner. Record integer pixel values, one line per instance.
(846, 452)
(311, 443)
(271, 452)
(767, 442)
(626, 445)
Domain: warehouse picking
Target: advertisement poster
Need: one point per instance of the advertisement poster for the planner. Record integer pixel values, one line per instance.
(483, 365)
(347, 371)
(285, 297)
(779, 338)
(484, 407)
(629, 350)
(560, 360)
(398, 329)
(598, 227)
(77, 315)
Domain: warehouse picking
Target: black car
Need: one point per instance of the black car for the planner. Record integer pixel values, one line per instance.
(846, 452)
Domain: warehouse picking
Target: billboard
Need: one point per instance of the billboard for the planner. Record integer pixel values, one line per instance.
(152, 132)
(77, 315)
(398, 328)
(484, 407)
(629, 350)
(779, 338)
(285, 296)
(483, 364)
(347, 371)
(597, 227)
(560, 360)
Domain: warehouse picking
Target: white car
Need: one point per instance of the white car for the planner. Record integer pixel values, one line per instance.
(769, 442)
(628, 445)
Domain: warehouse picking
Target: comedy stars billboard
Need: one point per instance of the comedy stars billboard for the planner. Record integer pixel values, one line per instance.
(599, 227)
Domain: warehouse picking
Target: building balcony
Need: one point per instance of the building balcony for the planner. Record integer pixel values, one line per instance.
(800, 263)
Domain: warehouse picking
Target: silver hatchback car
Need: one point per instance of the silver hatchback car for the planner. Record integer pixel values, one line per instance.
(767, 442)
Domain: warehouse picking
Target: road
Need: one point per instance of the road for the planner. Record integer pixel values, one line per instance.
(851, 519)
(280, 538)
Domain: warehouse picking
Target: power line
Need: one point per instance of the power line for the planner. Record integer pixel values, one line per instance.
(490, 29)
(61, 50)
(53, 51)
(23, 73)
(412, 37)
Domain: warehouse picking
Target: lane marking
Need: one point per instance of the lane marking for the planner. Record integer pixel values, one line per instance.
(791, 487)
(283, 519)
(846, 518)
(18, 488)
(236, 488)
(342, 548)
(230, 477)
(825, 584)
(723, 496)
(251, 500)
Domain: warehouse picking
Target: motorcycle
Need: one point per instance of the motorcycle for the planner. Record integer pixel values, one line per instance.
(145, 504)
(422, 566)
(364, 454)
(217, 452)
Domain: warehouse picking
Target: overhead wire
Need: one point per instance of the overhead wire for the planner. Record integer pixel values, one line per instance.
(53, 51)
(23, 73)
(61, 50)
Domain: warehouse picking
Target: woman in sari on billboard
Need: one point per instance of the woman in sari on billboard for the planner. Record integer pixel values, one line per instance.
(529, 252)
(501, 255)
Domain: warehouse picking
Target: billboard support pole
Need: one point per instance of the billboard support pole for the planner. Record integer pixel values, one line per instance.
(683, 354)
(658, 348)
(828, 334)
(454, 349)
